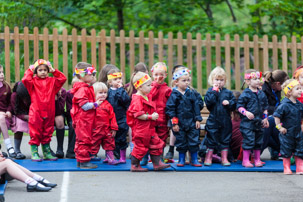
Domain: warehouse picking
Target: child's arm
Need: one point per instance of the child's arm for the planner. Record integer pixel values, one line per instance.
(170, 110)
(211, 98)
(60, 79)
(279, 126)
(241, 104)
(28, 80)
(123, 97)
(146, 117)
(199, 99)
(231, 101)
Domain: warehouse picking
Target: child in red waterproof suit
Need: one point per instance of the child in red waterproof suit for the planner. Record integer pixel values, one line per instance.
(83, 113)
(42, 90)
(141, 117)
(105, 126)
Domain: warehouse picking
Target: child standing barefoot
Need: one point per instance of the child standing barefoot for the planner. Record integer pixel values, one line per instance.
(141, 117)
(220, 102)
(288, 117)
(253, 105)
(42, 90)
(105, 125)
(183, 108)
(83, 113)
(5, 113)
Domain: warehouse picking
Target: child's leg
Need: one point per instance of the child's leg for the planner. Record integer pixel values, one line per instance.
(121, 143)
(6, 138)
(156, 149)
(182, 147)
(248, 144)
(17, 140)
(108, 144)
(141, 143)
(258, 146)
(59, 121)
(47, 133)
(172, 139)
(71, 141)
(225, 137)
(193, 146)
(131, 144)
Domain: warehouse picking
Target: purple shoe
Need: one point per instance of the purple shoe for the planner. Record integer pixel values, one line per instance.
(111, 158)
(122, 156)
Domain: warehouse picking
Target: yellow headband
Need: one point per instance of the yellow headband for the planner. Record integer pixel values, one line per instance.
(141, 81)
(114, 75)
(290, 86)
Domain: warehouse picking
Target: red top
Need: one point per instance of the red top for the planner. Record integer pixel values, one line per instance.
(138, 107)
(43, 92)
(83, 93)
(159, 95)
(105, 117)
(300, 98)
(5, 96)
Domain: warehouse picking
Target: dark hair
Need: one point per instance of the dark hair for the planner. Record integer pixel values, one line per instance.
(7, 87)
(22, 97)
(275, 76)
(176, 67)
(82, 65)
(140, 67)
(104, 71)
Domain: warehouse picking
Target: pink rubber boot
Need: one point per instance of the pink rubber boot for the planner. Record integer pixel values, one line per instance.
(258, 162)
(224, 154)
(245, 162)
(122, 156)
(286, 165)
(208, 157)
(299, 165)
(111, 159)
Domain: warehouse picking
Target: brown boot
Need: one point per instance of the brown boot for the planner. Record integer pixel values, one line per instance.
(135, 165)
(157, 163)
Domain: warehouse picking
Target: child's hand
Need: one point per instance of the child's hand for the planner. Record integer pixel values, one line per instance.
(99, 102)
(155, 116)
(8, 114)
(283, 130)
(265, 123)
(176, 128)
(225, 102)
(216, 87)
(51, 69)
(250, 115)
(113, 133)
(198, 124)
(119, 85)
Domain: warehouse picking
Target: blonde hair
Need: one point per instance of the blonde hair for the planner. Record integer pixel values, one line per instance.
(140, 67)
(285, 84)
(217, 72)
(99, 86)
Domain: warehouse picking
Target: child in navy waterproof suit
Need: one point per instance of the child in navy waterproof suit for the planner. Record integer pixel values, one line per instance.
(183, 108)
(220, 102)
(253, 105)
(288, 117)
(120, 100)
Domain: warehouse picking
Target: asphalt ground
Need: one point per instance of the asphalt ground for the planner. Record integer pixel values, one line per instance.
(160, 186)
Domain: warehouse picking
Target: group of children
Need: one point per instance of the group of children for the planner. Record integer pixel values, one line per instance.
(104, 112)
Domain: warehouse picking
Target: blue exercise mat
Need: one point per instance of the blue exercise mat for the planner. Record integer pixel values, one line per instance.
(71, 165)
(2, 188)
(270, 166)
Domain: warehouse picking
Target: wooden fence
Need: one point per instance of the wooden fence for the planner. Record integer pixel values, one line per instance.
(201, 53)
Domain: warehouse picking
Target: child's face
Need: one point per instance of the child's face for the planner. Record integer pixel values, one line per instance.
(1, 74)
(183, 82)
(296, 91)
(145, 88)
(88, 78)
(159, 75)
(101, 95)
(116, 82)
(219, 82)
(253, 82)
(276, 86)
(94, 80)
(42, 71)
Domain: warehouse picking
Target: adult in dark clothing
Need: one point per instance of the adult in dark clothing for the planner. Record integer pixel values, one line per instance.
(272, 90)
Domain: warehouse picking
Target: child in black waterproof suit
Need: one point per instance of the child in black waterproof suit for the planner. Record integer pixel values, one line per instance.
(253, 105)
(288, 117)
(183, 108)
(220, 102)
(120, 101)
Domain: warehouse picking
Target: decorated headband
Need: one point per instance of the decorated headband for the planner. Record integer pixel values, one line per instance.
(252, 75)
(160, 66)
(40, 62)
(180, 73)
(83, 72)
(114, 75)
(141, 81)
(290, 86)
